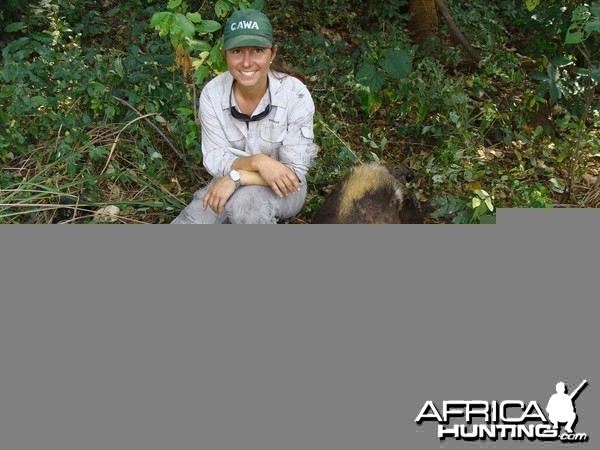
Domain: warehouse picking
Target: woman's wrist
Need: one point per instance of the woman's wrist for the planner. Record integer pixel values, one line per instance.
(257, 161)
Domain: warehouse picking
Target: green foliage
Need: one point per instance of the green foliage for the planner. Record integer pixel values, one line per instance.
(463, 210)
(61, 117)
(572, 74)
(585, 21)
(390, 65)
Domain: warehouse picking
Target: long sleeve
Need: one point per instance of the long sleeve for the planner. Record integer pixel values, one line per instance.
(218, 153)
(298, 148)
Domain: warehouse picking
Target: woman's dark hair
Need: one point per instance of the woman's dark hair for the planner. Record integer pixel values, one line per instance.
(279, 65)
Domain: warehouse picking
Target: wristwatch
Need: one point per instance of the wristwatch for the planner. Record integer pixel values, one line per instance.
(234, 175)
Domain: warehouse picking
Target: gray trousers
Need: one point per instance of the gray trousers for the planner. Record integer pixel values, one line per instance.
(248, 204)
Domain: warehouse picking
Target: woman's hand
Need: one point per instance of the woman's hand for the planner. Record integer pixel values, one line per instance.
(218, 194)
(279, 177)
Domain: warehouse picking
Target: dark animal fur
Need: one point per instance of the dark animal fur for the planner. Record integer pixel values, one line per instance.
(373, 193)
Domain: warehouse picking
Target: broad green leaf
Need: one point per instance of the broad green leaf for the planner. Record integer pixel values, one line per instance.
(370, 101)
(208, 26)
(182, 26)
(10, 72)
(561, 61)
(573, 36)
(518, 154)
(543, 88)
(95, 89)
(38, 101)
(185, 111)
(454, 117)
(258, 5)
(216, 60)
(173, 4)
(422, 114)
(373, 157)
(593, 26)
(194, 17)
(197, 46)
(190, 138)
(579, 19)
(17, 26)
(365, 72)
(162, 22)
(581, 14)
(370, 77)
(481, 193)
(200, 74)
(397, 63)
(488, 203)
(118, 67)
(222, 8)
(376, 82)
(532, 4)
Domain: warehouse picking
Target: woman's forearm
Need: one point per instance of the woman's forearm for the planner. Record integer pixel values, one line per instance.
(248, 178)
(251, 163)
(249, 167)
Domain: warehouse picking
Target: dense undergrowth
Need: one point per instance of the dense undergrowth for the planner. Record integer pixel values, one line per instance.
(97, 107)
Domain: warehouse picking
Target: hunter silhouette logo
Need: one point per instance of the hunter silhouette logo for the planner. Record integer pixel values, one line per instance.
(508, 419)
(560, 406)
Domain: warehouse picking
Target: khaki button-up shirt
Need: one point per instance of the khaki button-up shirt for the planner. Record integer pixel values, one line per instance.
(286, 134)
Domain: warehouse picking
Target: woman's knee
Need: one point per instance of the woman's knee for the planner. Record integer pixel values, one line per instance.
(251, 204)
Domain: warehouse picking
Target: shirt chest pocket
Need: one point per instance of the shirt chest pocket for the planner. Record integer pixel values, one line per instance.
(235, 137)
(271, 138)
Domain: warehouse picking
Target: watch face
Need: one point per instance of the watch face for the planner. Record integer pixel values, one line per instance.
(234, 175)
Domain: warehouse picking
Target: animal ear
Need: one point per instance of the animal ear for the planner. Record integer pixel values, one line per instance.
(409, 175)
(401, 174)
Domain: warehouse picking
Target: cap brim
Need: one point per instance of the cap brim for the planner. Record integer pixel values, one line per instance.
(247, 41)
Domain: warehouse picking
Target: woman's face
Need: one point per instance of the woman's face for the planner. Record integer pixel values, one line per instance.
(249, 66)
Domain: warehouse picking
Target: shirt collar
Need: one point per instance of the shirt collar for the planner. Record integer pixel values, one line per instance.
(275, 85)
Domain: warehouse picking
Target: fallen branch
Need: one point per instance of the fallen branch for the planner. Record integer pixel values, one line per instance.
(455, 32)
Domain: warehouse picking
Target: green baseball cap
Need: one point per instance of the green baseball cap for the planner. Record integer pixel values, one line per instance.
(248, 28)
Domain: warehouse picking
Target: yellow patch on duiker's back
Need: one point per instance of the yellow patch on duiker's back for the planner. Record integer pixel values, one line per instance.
(364, 179)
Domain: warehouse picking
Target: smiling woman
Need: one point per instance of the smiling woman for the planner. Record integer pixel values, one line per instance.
(257, 132)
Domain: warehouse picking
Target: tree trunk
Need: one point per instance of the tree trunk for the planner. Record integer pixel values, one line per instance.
(424, 22)
(424, 19)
